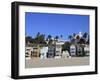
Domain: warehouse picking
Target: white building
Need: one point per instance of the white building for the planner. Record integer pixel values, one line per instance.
(43, 52)
(28, 52)
(73, 50)
(58, 49)
(86, 50)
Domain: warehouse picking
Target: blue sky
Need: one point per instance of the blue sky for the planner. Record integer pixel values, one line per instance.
(55, 24)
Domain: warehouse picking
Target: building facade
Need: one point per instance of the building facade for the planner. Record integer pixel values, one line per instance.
(73, 50)
(86, 50)
(28, 52)
(80, 50)
(51, 51)
(43, 52)
(36, 52)
(58, 49)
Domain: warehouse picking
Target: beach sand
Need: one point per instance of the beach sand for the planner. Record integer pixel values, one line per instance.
(58, 62)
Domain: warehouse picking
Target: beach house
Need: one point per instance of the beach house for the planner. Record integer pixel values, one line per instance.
(28, 52)
(58, 49)
(43, 52)
(80, 50)
(51, 51)
(86, 50)
(73, 50)
(36, 51)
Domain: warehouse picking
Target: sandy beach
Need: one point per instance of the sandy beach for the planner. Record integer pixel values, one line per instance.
(51, 62)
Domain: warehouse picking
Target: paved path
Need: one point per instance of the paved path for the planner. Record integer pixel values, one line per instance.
(51, 62)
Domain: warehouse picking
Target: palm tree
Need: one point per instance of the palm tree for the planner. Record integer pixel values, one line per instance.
(49, 37)
(38, 34)
(39, 39)
(81, 41)
(77, 38)
(85, 36)
(56, 38)
(61, 36)
(88, 40)
(70, 37)
(28, 39)
(74, 35)
(66, 46)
